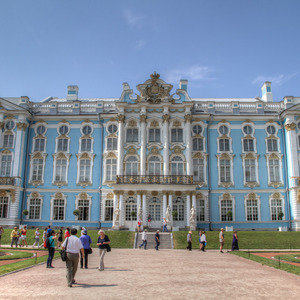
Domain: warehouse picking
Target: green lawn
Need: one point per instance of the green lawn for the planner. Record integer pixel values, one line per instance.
(15, 255)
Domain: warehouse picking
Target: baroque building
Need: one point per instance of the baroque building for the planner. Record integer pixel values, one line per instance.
(235, 162)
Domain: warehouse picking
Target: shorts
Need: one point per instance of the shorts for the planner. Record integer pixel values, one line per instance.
(221, 243)
(60, 239)
(23, 237)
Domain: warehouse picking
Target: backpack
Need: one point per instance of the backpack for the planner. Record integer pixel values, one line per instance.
(47, 243)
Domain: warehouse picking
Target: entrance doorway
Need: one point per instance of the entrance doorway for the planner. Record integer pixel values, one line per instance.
(155, 211)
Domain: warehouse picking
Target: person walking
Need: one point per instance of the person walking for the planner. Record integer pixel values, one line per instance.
(149, 220)
(165, 229)
(139, 224)
(51, 248)
(202, 241)
(86, 243)
(44, 236)
(144, 239)
(73, 246)
(60, 237)
(221, 240)
(24, 236)
(36, 238)
(157, 240)
(189, 241)
(235, 244)
(103, 243)
(67, 232)
(1, 232)
(14, 235)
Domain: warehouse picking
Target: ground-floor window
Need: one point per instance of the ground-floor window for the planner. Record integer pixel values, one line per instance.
(109, 210)
(200, 210)
(276, 209)
(3, 207)
(154, 209)
(226, 208)
(252, 210)
(34, 209)
(84, 210)
(178, 206)
(130, 208)
(58, 209)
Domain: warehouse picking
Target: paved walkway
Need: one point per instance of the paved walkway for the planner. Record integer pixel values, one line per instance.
(164, 274)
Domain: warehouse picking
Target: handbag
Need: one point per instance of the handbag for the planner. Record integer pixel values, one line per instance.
(63, 253)
(108, 249)
(90, 251)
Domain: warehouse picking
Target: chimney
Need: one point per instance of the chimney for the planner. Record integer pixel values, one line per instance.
(266, 92)
(183, 84)
(72, 92)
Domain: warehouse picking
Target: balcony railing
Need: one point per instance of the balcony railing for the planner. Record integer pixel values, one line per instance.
(7, 181)
(154, 179)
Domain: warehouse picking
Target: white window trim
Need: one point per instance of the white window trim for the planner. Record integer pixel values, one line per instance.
(4, 153)
(229, 157)
(83, 196)
(204, 157)
(183, 161)
(160, 161)
(252, 156)
(138, 162)
(107, 156)
(137, 126)
(9, 132)
(107, 196)
(34, 141)
(268, 158)
(33, 196)
(56, 196)
(32, 157)
(111, 123)
(277, 195)
(206, 211)
(111, 136)
(229, 197)
(57, 156)
(85, 155)
(252, 196)
(8, 195)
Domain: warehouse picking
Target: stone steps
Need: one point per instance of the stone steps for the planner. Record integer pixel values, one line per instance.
(166, 240)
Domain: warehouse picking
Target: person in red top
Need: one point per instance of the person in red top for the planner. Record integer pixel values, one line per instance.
(67, 233)
(24, 236)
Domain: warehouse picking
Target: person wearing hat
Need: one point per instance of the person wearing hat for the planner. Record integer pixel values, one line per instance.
(157, 240)
(189, 240)
(221, 240)
(86, 243)
(144, 239)
(103, 243)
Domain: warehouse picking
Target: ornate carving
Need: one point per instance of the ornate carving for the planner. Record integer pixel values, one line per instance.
(111, 155)
(143, 118)
(276, 195)
(252, 184)
(58, 195)
(132, 123)
(178, 193)
(188, 118)
(154, 150)
(21, 126)
(110, 196)
(177, 123)
(166, 117)
(154, 193)
(252, 196)
(1, 125)
(83, 196)
(3, 193)
(154, 124)
(290, 127)
(121, 118)
(226, 196)
(177, 150)
(131, 193)
(131, 150)
(199, 196)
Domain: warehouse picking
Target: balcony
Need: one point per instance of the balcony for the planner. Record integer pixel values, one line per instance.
(7, 181)
(154, 179)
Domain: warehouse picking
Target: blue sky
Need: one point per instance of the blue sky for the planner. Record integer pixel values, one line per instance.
(223, 48)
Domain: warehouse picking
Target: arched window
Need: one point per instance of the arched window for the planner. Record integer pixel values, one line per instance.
(85, 170)
(226, 207)
(111, 169)
(154, 209)
(61, 170)
(177, 166)
(6, 164)
(154, 165)
(198, 167)
(178, 206)
(130, 207)
(131, 166)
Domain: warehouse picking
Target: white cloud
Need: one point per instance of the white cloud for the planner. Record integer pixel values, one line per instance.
(277, 80)
(193, 73)
(133, 20)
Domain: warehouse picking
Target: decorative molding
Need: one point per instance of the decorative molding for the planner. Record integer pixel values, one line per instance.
(188, 118)
(290, 127)
(143, 118)
(121, 118)
(166, 118)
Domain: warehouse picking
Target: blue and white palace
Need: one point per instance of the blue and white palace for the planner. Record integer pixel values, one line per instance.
(234, 162)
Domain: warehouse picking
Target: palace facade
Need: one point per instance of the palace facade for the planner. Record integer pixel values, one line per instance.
(114, 161)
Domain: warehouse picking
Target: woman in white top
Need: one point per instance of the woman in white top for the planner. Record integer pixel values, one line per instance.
(202, 241)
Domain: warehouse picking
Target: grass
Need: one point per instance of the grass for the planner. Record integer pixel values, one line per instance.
(289, 257)
(247, 240)
(268, 262)
(15, 255)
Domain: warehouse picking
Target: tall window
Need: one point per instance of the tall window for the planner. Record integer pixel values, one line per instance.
(250, 170)
(112, 144)
(131, 166)
(226, 207)
(276, 209)
(177, 166)
(154, 135)
(225, 172)
(58, 209)
(62, 144)
(34, 209)
(130, 207)
(37, 169)
(154, 209)
(39, 144)
(3, 207)
(248, 145)
(84, 209)
(61, 170)
(86, 145)
(176, 135)
(8, 141)
(224, 145)
(85, 169)
(109, 210)
(197, 144)
(111, 169)
(272, 145)
(154, 165)
(252, 210)
(200, 210)
(132, 135)
(178, 206)
(274, 170)
(6, 163)
(198, 167)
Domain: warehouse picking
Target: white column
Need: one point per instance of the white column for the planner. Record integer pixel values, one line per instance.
(17, 157)
(121, 204)
(194, 200)
(121, 119)
(115, 206)
(143, 144)
(144, 210)
(166, 118)
(164, 204)
(171, 207)
(189, 164)
(188, 209)
(138, 203)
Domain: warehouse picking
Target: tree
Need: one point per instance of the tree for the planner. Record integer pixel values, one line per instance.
(174, 214)
(25, 212)
(280, 215)
(76, 212)
(229, 215)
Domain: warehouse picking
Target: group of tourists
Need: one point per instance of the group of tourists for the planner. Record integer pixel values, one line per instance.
(202, 240)
(19, 238)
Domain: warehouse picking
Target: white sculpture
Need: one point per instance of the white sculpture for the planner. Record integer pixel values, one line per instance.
(192, 217)
(117, 214)
(168, 214)
(140, 213)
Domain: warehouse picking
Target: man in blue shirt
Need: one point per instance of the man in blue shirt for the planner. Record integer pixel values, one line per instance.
(86, 243)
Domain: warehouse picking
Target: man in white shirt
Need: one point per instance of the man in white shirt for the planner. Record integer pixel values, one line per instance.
(73, 247)
(144, 239)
